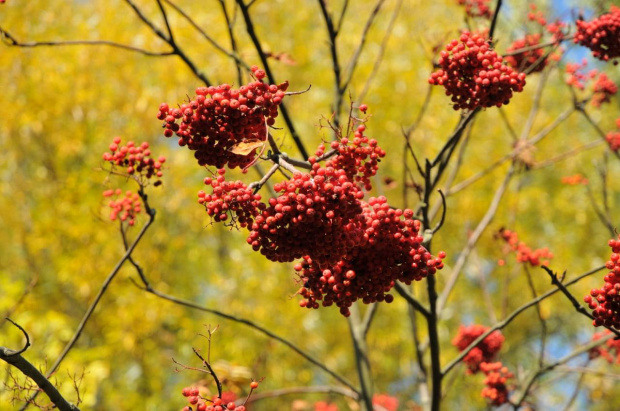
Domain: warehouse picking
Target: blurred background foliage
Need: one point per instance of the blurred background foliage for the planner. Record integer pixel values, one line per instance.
(61, 107)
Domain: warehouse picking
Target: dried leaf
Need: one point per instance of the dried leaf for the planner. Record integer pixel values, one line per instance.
(245, 147)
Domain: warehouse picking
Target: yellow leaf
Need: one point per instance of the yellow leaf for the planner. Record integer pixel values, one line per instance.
(245, 147)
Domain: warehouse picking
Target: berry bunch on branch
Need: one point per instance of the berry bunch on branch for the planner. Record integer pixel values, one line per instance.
(350, 249)
(601, 35)
(605, 301)
(224, 126)
(474, 75)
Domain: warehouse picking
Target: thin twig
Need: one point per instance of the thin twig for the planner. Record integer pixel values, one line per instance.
(513, 315)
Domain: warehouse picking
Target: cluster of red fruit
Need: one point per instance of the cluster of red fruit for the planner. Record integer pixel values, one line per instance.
(601, 35)
(476, 8)
(613, 138)
(555, 28)
(136, 159)
(529, 58)
(125, 208)
(359, 158)
(484, 352)
(231, 199)
(474, 74)
(525, 254)
(576, 77)
(391, 250)
(605, 301)
(611, 350)
(221, 118)
(604, 89)
(574, 180)
(496, 377)
(217, 403)
(316, 214)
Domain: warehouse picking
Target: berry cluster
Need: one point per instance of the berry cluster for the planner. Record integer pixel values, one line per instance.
(124, 208)
(496, 377)
(224, 403)
(359, 157)
(221, 119)
(576, 77)
(483, 352)
(525, 254)
(385, 401)
(613, 138)
(137, 160)
(611, 350)
(601, 35)
(604, 89)
(556, 28)
(325, 406)
(474, 74)
(476, 8)
(574, 180)
(530, 58)
(230, 199)
(316, 214)
(391, 250)
(605, 301)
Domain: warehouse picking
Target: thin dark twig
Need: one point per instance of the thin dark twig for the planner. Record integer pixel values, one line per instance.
(382, 48)
(10, 353)
(210, 39)
(443, 212)
(343, 11)
(165, 16)
(9, 40)
(213, 374)
(495, 17)
(580, 309)
(415, 304)
(175, 48)
(358, 51)
(512, 316)
(231, 36)
(256, 327)
(249, 25)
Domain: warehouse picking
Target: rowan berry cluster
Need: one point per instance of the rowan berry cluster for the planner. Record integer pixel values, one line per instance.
(605, 301)
(474, 74)
(220, 119)
(391, 250)
(496, 377)
(317, 214)
(124, 207)
(484, 352)
(576, 77)
(325, 406)
(224, 403)
(574, 180)
(525, 254)
(136, 159)
(385, 401)
(358, 157)
(613, 138)
(604, 89)
(476, 8)
(610, 351)
(601, 35)
(530, 58)
(230, 200)
(556, 28)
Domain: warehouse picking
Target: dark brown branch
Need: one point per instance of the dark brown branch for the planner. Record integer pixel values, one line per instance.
(249, 25)
(502, 324)
(9, 40)
(14, 358)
